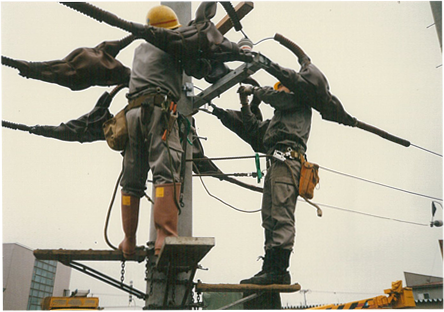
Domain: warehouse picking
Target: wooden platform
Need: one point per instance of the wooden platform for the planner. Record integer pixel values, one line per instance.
(66, 255)
(201, 287)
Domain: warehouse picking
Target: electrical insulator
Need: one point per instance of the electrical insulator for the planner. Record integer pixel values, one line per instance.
(245, 44)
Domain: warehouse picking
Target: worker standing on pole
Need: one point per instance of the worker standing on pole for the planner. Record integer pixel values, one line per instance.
(153, 139)
(286, 138)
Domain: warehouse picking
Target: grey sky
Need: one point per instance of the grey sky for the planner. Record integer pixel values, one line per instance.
(382, 61)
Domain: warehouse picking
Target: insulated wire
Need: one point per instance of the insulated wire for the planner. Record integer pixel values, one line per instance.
(324, 205)
(327, 169)
(217, 198)
(262, 40)
(380, 184)
(424, 149)
(109, 212)
(371, 215)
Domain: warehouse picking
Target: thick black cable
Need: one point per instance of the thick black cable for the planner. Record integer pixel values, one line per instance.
(380, 184)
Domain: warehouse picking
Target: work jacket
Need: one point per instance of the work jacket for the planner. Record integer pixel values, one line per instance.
(311, 86)
(290, 125)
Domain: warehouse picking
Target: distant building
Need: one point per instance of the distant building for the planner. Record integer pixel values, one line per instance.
(427, 290)
(26, 280)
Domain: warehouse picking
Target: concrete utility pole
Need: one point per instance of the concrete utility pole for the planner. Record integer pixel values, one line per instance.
(185, 226)
(166, 288)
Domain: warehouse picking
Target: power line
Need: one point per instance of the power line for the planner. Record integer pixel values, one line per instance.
(371, 215)
(324, 205)
(325, 168)
(424, 149)
(217, 198)
(380, 184)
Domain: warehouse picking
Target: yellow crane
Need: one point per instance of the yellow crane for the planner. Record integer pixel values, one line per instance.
(398, 298)
(70, 303)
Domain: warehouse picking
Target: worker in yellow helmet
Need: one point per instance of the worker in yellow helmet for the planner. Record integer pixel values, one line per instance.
(285, 138)
(162, 16)
(154, 89)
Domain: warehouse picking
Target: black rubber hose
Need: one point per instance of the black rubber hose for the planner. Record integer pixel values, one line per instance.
(104, 16)
(232, 14)
(293, 47)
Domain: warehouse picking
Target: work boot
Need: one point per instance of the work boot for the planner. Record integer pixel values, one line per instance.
(266, 266)
(165, 213)
(277, 272)
(130, 218)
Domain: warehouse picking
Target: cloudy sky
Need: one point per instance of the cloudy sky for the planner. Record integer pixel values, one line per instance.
(382, 60)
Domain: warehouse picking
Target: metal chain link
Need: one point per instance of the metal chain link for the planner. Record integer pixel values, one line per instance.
(122, 272)
(198, 298)
(173, 293)
(192, 296)
(152, 280)
(147, 264)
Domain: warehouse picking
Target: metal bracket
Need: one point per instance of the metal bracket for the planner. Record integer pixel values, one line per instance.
(230, 79)
(188, 87)
(104, 278)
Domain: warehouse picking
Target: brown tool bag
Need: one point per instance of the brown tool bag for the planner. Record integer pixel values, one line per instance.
(309, 178)
(116, 131)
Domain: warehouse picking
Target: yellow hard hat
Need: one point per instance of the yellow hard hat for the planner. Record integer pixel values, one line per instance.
(277, 85)
(162, 16)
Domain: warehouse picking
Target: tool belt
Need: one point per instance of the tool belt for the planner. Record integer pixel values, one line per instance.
(116, 130)
(147, 99)
(309, 176)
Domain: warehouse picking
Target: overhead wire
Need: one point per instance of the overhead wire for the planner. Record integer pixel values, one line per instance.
(426, 150)
(217, 198)
(370, 215)
(327, 169)
(324, 205)
(380, 184)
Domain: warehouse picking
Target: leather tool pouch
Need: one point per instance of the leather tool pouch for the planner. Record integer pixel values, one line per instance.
(116, 131)
(309, 178)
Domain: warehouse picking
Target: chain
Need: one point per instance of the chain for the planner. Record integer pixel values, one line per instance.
(198, 298)
(147, 264)
(122, 272)
(152, 281)
(146, 269)
(192, 296)
(173, 293)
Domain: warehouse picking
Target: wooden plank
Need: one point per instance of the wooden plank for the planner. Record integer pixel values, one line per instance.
(65, 255)
(201, 287)
(242, 9)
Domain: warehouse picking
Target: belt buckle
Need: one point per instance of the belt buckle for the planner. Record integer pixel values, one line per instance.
(279, 155)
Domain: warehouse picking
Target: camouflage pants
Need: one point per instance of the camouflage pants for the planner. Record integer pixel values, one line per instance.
(279, 204)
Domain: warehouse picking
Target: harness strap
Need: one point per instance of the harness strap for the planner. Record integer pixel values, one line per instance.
(147, 99)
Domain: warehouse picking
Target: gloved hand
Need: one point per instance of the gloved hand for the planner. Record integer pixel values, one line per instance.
(243, 95)
(218, 112)
(245, 89)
